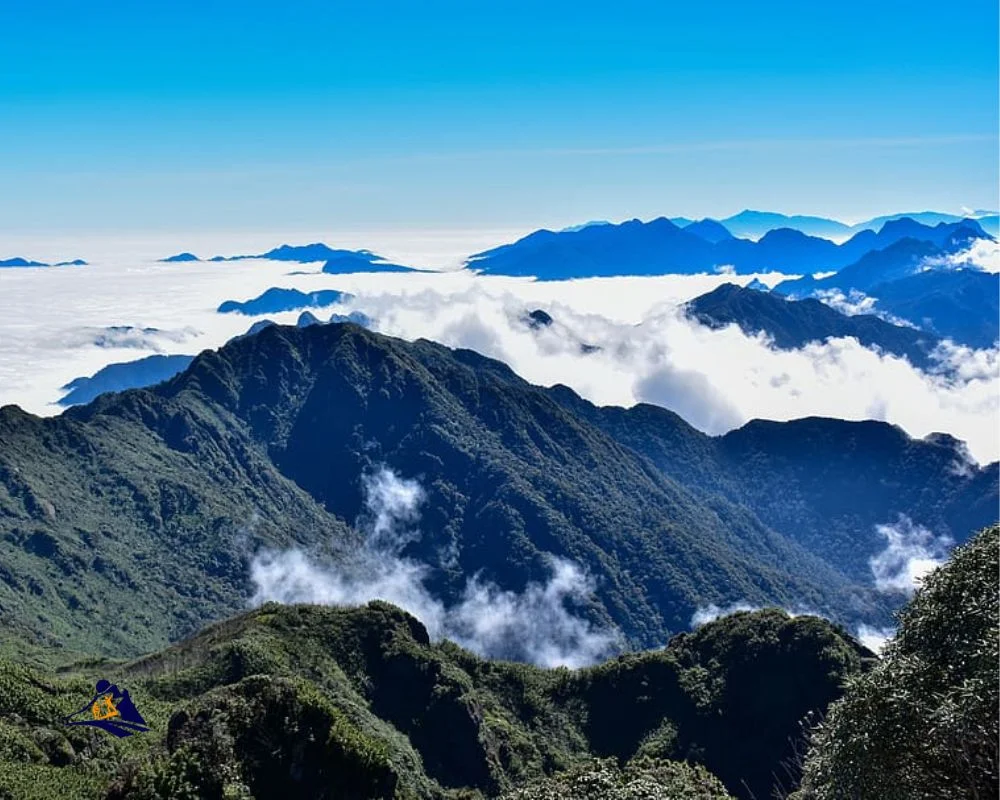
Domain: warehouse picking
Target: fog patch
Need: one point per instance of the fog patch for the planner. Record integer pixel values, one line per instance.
(875, 639)
(690, 394)
(910, 553)
(855, 302)
(705, 614)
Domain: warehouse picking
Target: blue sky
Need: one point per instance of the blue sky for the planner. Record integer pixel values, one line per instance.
(246, 115)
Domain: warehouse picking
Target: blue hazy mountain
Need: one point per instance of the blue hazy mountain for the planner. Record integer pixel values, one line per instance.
(307, 318)
(783, 249)
(901, 248)
(125, 375)
(911, 280)
(21, 262)
(660, 247)
(990, 223)
(924, 217)
(355, 318)
(754, 224)
(588, 224)
(630, 248)
(276, 300)
(336, 261)
(306, 253)
(898, 260)
(960, 304)
(180, 257)
(362, 261)
(709, 229)
(792, 324)
(24, 262)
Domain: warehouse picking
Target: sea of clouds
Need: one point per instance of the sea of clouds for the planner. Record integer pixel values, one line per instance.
(59, 320)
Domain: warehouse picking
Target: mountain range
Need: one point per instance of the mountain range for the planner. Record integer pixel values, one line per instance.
(303, 701)
(754, 224)
(914, 281)
(336, 261)
(150, 370)
(25, 262)
(131, 521)
(661, 247)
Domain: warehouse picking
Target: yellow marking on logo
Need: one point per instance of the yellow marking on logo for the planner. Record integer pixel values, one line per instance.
(108, 711)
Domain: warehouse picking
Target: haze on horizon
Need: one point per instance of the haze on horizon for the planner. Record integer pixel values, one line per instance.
(223, 116)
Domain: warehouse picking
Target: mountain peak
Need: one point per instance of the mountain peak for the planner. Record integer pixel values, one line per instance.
(709, 229)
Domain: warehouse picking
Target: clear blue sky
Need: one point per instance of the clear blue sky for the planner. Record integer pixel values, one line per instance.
(182, 115)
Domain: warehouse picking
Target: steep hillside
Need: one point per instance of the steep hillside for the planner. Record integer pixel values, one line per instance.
(130, 522)
(824, 483)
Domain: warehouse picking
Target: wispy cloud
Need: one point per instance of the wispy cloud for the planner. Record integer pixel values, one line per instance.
(536, 625)
(875, 639)
(911, 551)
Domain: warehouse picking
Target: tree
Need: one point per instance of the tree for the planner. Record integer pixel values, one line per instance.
(923, 723)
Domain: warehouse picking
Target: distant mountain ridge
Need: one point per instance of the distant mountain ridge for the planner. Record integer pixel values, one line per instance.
(921, 282)
(275, 300)
(25, 262)
(661, 247)
(793, 324)
(121, 376)
(754, 224)
(336, 261)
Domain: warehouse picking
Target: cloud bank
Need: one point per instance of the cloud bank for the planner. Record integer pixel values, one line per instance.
(536, 626)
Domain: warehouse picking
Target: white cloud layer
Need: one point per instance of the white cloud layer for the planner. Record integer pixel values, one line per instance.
(536, 625)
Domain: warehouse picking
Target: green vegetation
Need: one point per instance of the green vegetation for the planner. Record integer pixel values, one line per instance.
(306, 701)
(923, 723)
(130, 523)
(642, 779)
